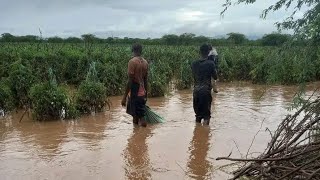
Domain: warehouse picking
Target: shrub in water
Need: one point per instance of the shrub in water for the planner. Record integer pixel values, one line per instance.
(112, 76)
(21, 80)
(157, 82)
(185, 78)
(50, 101)
(6, 100)
(91, 95)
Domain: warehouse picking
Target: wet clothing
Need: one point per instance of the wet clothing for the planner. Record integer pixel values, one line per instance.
(137, 71)
(202, 99)
(136, 106)
(203, 71)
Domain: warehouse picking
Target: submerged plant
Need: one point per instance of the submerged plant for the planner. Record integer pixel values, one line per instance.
(21, 80)
(185, 78)
(6, 100)
(91, 95)
(157, 81)
(49, 101)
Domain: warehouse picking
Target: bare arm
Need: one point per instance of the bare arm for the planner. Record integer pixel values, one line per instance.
(129, 83)
(127, 88)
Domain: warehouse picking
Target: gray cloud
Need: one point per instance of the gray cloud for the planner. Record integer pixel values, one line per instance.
(122, 18)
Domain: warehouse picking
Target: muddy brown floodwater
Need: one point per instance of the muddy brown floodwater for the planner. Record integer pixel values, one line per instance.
(107, 146)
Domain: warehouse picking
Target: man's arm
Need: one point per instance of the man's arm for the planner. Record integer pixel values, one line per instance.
(127, 88)
(128, 85)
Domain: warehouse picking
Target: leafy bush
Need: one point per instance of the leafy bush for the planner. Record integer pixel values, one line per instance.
(287, 66)
(6, 100)
(48, 101)
(91, 95)
(157, 82)
(21, 80)
(26, 64)
(185, 78)
(225, 71)
(112, 76)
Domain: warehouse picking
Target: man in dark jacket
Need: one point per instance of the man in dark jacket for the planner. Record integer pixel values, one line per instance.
(203, 71)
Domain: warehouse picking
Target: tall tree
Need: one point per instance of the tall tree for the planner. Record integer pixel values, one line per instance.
(274, 39)
(73, 40)
(7, 37)
(27, 38)
(307, 26)
(88, 38)
(55, 39)
(237, 38)
(171, 39)
(186, 38)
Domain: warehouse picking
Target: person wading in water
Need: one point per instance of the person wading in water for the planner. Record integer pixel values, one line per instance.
(135, 96)
(203, 71)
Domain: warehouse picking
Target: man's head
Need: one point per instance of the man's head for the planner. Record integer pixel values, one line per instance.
(204, 50)
(137, 49)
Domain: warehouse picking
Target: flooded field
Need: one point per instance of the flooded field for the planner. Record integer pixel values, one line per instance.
(107, 146)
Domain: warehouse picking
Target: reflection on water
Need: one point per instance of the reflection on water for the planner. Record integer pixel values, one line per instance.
(91, 129)
(199, 166)
(136, 155)
(106, 146)
(44, 138)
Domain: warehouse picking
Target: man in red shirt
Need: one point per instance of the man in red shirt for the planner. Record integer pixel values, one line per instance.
(135, 96)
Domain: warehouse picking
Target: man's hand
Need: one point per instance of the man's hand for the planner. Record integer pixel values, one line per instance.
(124, 102)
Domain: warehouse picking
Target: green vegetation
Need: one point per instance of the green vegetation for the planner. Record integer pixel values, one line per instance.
(91, 96)
(21, 80)
(48, 101)
(275, 39)
(100, 70)
(237, 38)
(185, 39)
(6, 100)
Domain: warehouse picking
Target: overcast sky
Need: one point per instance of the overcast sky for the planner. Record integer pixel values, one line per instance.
(128, 18)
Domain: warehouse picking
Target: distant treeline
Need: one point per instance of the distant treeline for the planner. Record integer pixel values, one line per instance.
(273, 39)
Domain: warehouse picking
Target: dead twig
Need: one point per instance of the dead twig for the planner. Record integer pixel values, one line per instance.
(292, 153)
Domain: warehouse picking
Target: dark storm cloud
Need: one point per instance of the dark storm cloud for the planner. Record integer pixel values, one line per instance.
(144, 18)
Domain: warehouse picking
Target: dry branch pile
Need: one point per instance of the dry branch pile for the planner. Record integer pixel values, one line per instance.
(293, 152)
